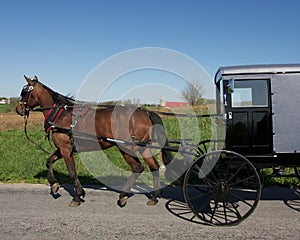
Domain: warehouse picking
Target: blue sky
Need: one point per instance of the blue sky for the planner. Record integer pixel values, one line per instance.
(63, 41)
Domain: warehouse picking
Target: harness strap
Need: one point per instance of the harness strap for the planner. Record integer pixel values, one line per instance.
(81, 112)
(132, 123)
(52, 116)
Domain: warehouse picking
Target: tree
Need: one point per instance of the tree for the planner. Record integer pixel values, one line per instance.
(192, 92)
(13, 103)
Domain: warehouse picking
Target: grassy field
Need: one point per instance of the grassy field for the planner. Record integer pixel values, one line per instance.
(23, 162)
(4, 108)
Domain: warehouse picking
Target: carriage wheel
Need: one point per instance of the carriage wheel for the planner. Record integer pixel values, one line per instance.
(222, 188)
(209, 145)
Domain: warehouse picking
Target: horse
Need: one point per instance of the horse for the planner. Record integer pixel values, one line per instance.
(134, 125)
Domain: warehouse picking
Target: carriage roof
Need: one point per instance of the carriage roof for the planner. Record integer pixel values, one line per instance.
(258, 69)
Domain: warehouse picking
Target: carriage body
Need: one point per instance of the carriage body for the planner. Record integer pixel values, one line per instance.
(260, 109)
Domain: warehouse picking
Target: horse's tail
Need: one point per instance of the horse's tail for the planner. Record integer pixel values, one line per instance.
(161, 135)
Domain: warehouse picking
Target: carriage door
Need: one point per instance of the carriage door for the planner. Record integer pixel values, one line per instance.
(248, 115)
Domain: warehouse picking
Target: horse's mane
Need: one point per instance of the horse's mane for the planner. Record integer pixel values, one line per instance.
(59, 98)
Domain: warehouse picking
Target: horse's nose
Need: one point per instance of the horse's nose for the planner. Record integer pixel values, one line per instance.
(19, 110)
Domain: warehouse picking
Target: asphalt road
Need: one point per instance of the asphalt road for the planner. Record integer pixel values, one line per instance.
(30, 212)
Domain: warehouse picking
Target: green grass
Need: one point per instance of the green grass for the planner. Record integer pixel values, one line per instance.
(23, 162)
(4, 108)
(269, 180)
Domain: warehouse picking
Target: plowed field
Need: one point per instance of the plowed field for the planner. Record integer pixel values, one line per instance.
(12, 121)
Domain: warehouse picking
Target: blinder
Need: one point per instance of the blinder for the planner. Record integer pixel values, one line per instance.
(25, 92)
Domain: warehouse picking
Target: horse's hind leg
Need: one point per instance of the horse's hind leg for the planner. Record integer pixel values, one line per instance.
(54, 185)
(137, 168)
(154, 168)
(156, 194)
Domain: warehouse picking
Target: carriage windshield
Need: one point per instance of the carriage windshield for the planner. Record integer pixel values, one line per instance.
(250, 93)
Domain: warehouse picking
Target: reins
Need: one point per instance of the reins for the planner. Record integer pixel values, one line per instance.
(68, 107)
(187, 115)
(33, 142)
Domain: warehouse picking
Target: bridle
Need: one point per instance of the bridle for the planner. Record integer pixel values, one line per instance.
(24, 97)
(25, 109)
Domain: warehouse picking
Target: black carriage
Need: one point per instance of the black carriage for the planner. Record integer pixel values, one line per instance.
(259, 108)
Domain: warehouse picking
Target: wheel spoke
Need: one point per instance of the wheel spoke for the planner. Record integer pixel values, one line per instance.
(237, 172)
(236, 211)
(211, 182)
(241, 199)
(201, 195)
(216, 216)
(241, 181)
(198, 186)
(205, 204)
(228, 169)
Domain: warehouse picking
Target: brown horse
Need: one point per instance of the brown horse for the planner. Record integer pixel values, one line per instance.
(105, 124)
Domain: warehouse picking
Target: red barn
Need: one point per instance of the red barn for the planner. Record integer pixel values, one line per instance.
(176, 104)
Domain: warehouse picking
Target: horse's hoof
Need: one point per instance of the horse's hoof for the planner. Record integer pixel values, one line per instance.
(74, 204)
(122, 201)
(152, 202)
(54, 188)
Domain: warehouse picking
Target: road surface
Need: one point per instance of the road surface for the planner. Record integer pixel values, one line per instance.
(30, 212)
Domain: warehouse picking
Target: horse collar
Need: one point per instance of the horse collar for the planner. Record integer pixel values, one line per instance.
(52, 116)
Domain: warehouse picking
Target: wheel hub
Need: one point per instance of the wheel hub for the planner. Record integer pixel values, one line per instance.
(221, 189)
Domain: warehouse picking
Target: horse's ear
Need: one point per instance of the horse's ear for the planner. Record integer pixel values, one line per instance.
(35, 78)
(28, 80)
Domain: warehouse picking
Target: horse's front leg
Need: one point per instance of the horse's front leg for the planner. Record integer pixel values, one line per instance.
(79, 192)
(54, 185)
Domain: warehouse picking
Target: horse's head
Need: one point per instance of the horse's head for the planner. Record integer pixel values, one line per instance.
(30, 96)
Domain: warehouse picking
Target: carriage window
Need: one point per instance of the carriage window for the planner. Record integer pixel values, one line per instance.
(250, 93)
